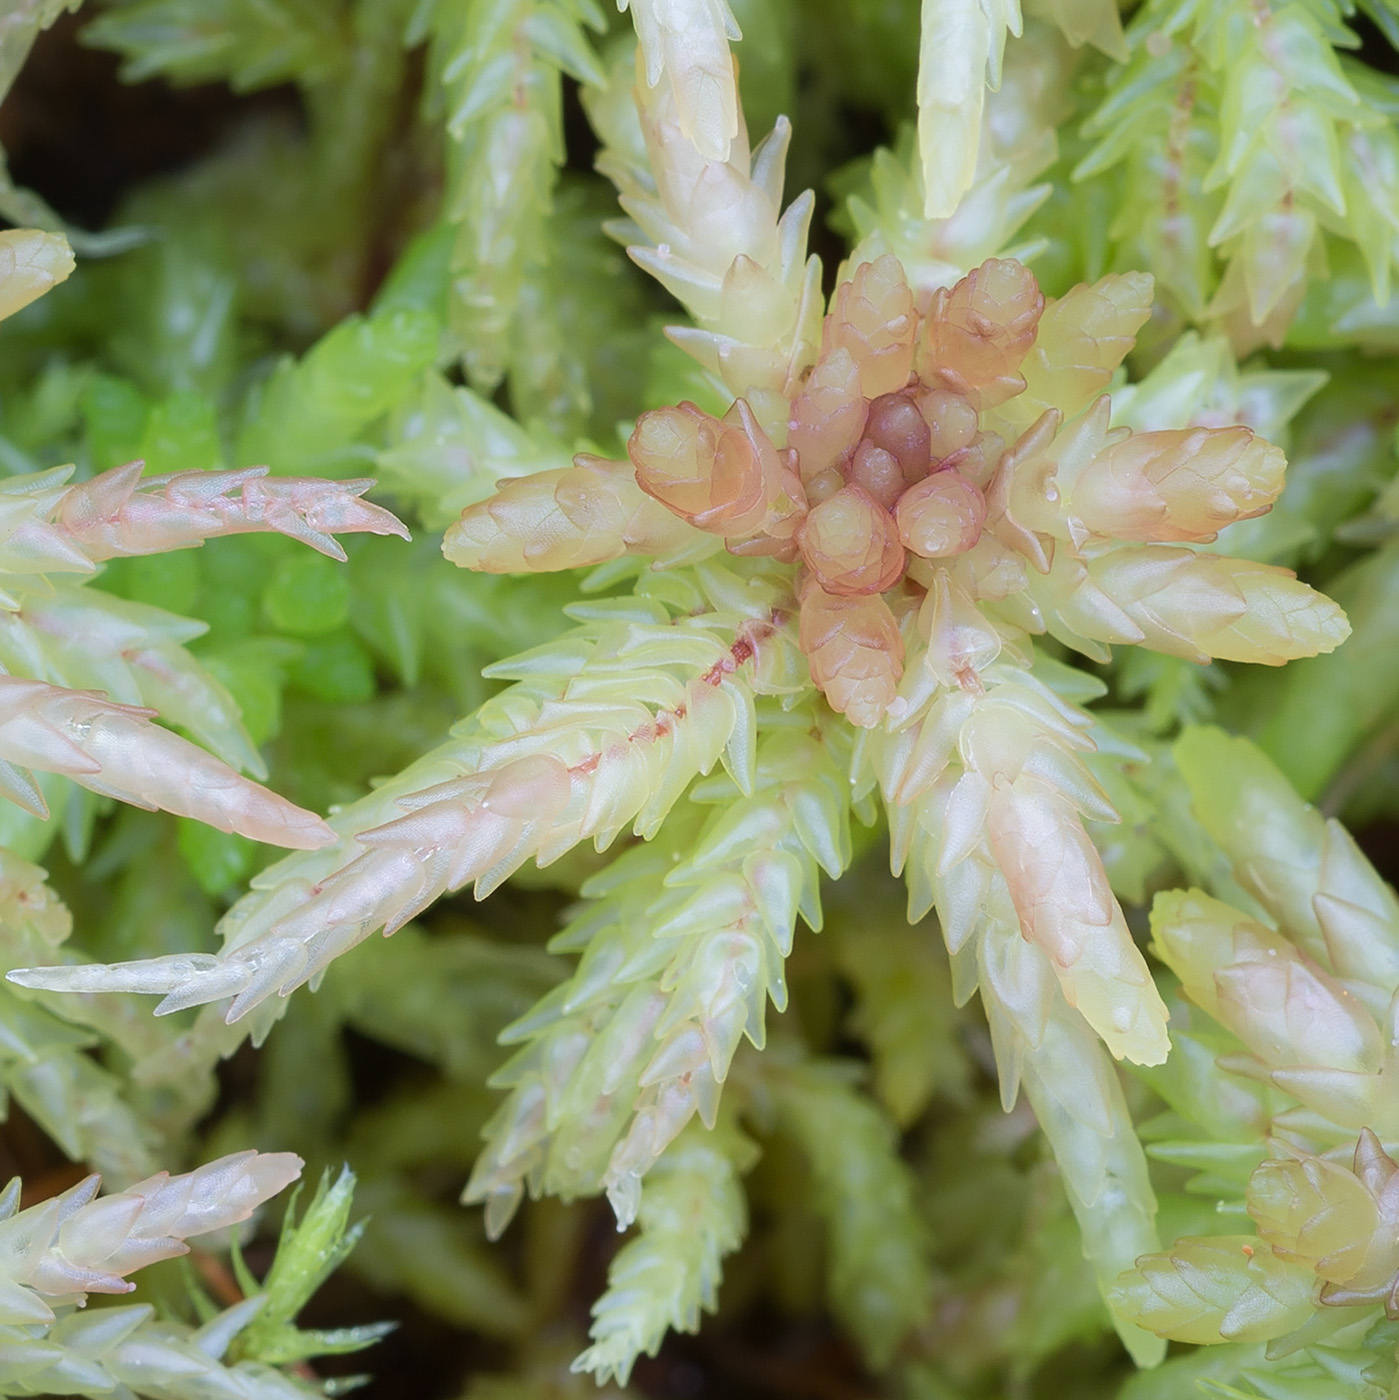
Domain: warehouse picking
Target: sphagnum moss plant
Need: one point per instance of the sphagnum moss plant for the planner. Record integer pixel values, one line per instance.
(841, 576)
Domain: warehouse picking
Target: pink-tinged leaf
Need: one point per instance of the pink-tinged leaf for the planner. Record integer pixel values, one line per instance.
(118, 513)
(116, 750)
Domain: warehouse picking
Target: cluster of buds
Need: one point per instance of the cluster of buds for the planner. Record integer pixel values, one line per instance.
(884, 460)
(927, 448)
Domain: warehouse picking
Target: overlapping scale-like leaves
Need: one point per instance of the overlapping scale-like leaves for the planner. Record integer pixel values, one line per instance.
(1298, 992)
(949, 485)
(65, 649)
(79, 1243)
(602, 731)
(839, 579)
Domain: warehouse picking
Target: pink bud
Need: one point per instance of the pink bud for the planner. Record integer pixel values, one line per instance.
(873, 317)
(878, 472)
(977, 333)
(850, 544)
(942, 515)
(896, 426)
(828, 415)
(702, 469)
(951, 420)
